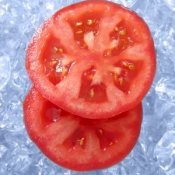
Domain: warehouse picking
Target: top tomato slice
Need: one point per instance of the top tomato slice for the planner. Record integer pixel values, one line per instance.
(94, 59)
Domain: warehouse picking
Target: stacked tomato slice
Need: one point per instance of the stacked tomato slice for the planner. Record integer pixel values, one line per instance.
(91, 64)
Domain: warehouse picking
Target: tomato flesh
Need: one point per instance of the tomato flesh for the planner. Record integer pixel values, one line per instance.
(83, 25)
(94, 59)
(78, 143)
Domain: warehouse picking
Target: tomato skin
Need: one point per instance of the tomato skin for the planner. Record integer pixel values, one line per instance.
(45, 135)
(62, 98)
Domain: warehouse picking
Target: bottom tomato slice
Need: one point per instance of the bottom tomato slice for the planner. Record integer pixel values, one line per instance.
(77, 143)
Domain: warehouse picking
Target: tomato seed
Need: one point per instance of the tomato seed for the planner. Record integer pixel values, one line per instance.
(60, 50)
(114, 43)
(130, 66)
(55, 49)
(121, 80)
(81, 141)
(92, 93)
(116, 29)
(125, 63)
(90, 22)
(122, 32)
(79, 24)
(79, 32)
(64, 71)
(108, 53)
(130, 40)
(53, 63)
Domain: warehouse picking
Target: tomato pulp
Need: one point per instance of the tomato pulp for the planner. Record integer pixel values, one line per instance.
(78, 143)
(95, 59)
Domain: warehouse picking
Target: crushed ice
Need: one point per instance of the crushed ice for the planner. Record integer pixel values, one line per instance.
(155, 152)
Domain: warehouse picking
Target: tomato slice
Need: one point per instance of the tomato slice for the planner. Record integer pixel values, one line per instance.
(78, 143)
(95, 59)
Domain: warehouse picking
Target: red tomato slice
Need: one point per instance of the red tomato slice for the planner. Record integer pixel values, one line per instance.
(78, 143)
(94, 59)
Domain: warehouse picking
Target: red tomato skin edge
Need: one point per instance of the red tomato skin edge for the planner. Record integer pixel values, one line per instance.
(91, 115)
(41, 145)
